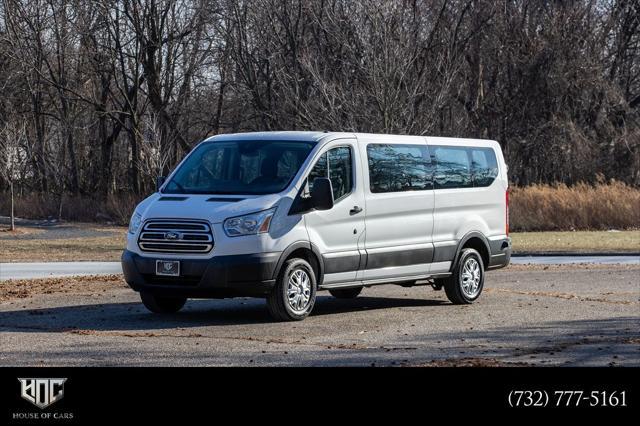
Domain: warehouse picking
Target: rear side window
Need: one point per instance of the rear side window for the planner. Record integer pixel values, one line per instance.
(463, 167)
(484, 166)
(397, 168)
(453, 167)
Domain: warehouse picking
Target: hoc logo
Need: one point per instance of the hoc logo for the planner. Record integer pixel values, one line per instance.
(42, 392)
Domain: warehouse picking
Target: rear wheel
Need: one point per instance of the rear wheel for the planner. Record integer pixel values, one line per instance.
(346, 293)
(162, 305)
(467, 280)
(294, 294)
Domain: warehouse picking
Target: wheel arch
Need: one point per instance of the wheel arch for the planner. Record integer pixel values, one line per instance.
(304, 250)
(477, 241)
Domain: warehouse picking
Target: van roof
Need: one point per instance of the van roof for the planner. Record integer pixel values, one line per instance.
(316, 136)
(281, 136)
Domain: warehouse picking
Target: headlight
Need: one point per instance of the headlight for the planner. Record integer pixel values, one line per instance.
(135, 222)
(255, 223)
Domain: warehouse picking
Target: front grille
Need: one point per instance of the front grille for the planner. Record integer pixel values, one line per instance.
(176, 236)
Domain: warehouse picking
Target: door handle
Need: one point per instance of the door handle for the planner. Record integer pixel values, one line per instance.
(355, 210)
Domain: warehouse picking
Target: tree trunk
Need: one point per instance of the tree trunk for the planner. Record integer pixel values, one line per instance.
(13, 217)
(75, 181)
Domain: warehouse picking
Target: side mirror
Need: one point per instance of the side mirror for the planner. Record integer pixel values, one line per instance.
(159, 182)
(322, 194)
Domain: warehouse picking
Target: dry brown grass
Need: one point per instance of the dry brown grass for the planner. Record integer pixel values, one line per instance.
(116, 208)
(99, 248)
(577, 241)
(612, 205)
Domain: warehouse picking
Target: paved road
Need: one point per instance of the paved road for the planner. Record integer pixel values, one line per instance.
(64, 269)
(558, 316)
(562, 260)
(56, 269)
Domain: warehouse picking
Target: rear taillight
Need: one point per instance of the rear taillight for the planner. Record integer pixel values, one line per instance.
(506, 220)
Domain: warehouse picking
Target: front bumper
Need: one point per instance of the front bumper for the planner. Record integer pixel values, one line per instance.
(219, 276)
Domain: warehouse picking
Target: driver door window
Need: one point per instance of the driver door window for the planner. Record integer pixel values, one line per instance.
(337, 165)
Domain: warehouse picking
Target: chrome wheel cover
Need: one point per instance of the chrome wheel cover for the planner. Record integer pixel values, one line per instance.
(299, 290)
(470, 278)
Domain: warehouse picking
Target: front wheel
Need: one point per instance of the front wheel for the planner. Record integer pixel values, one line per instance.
(467, 280)
(294, 294)
(162, 305)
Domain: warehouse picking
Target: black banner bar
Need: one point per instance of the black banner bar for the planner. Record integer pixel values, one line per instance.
(89, 395)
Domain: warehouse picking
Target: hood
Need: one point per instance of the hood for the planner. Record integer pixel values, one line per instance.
(214, 208)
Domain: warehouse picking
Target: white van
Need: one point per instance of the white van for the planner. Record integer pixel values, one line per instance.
(283, 215)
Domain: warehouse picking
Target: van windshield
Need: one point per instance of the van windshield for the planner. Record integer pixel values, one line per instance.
(239, 167)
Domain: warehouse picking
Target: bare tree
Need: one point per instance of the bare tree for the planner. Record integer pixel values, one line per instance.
(110, 90)
(12, 139)
(154, 155)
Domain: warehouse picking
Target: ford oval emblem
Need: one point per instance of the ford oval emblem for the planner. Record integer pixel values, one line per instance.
(171, 236)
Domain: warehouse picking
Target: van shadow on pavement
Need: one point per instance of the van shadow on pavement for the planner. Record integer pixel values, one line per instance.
(196, 313)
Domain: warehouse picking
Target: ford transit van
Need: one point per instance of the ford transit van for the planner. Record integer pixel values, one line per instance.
(283, 215)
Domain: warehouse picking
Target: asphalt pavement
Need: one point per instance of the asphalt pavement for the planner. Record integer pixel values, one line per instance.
(543, 315)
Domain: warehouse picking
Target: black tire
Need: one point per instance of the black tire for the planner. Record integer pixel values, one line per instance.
(454, 286)
(162, 305)
(346, 293)
(278, 301)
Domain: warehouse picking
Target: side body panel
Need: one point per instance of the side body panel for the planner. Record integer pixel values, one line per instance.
(398, 224)
(460, 211)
